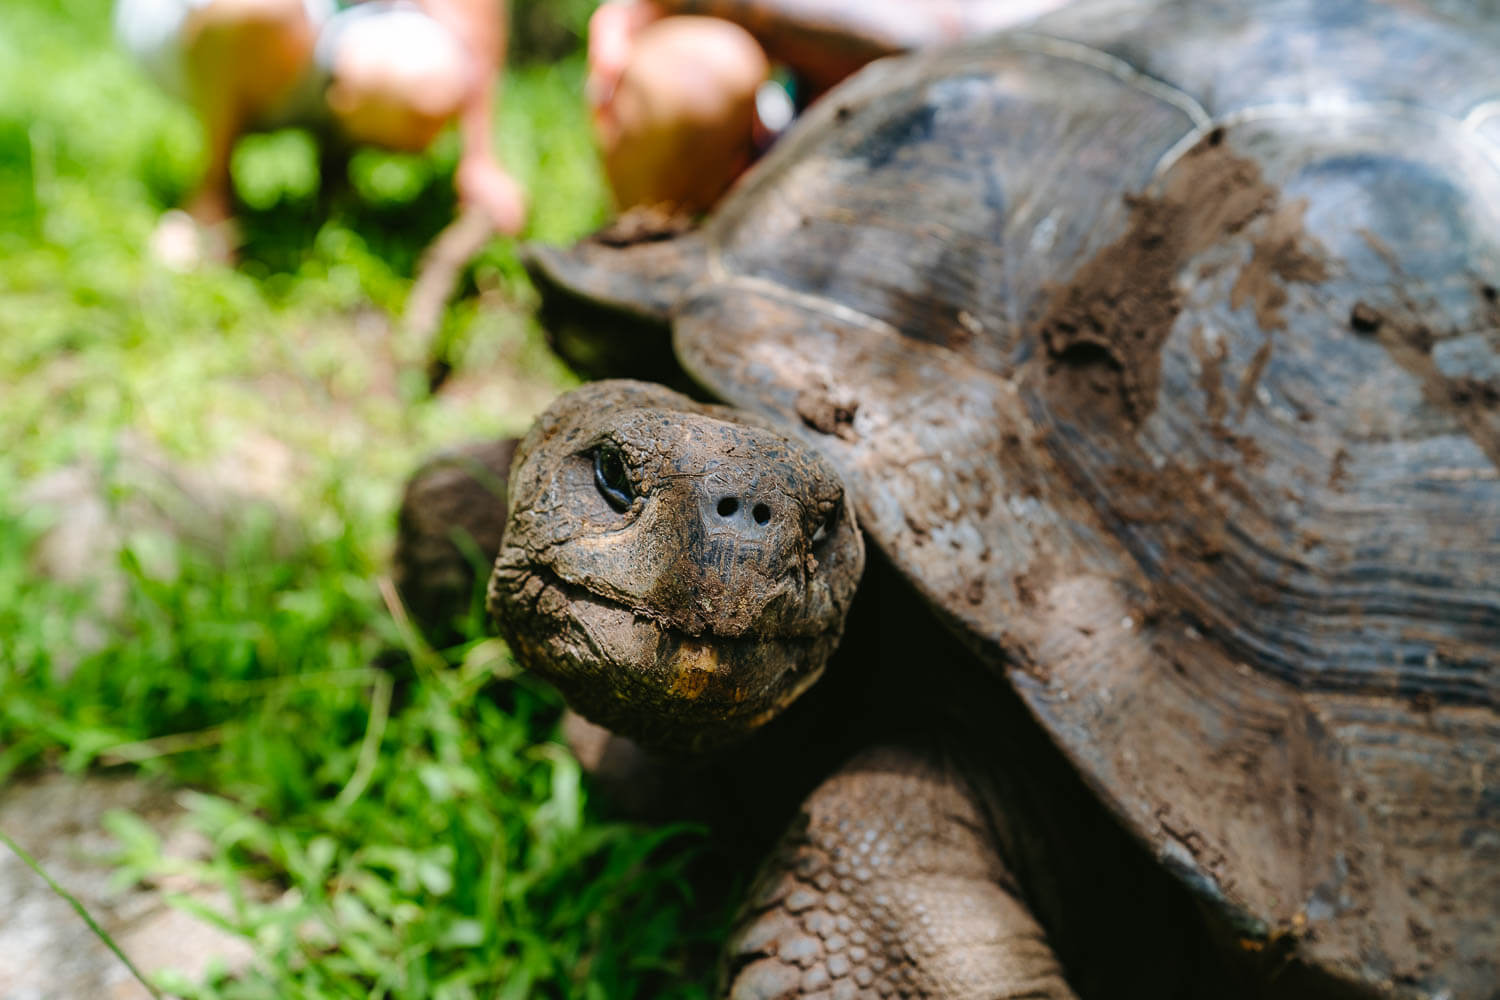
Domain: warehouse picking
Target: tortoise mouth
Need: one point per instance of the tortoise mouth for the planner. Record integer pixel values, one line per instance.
(767, 627)
(643, 676)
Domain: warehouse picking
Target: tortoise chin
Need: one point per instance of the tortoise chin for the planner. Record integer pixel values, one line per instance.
(681, 575)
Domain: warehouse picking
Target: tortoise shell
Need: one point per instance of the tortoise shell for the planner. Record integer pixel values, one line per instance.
(1159, 345)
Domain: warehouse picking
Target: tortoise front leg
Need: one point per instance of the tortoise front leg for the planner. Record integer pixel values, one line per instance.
(448, 530)
(889, 884)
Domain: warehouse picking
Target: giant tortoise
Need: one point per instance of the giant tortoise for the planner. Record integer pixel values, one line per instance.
(1154, 352)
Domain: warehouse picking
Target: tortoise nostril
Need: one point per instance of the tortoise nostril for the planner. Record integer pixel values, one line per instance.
(728, 506)
(761, 513)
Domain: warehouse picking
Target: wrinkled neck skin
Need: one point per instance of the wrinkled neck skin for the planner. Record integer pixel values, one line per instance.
(680, 572)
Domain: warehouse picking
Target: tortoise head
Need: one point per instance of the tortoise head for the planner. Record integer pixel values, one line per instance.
(680, 572)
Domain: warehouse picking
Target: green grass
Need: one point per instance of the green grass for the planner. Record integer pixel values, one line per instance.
(429, 836)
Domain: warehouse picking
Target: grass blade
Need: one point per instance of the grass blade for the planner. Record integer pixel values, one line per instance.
(79, 908)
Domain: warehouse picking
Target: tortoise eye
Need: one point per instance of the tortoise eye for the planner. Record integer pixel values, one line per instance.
(828, 525)
(611, 478)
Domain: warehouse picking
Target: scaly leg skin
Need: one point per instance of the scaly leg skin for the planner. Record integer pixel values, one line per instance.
(889, 885)
(448, 531)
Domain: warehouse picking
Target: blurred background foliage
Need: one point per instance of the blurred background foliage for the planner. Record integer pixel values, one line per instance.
(426, 834)
(548, 30)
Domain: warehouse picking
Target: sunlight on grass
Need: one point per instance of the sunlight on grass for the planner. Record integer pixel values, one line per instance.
(425, 835)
